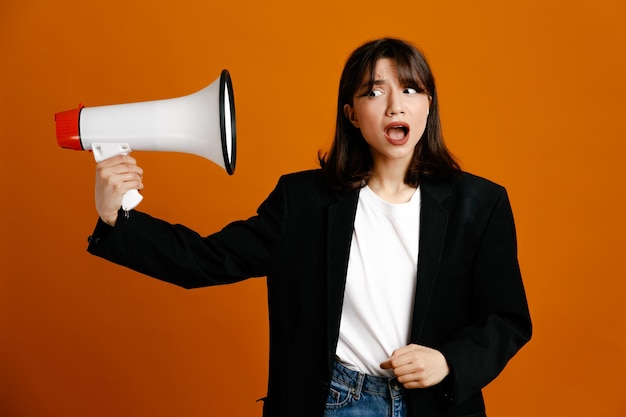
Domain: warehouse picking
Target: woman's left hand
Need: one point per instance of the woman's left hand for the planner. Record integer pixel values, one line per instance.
(417, 366)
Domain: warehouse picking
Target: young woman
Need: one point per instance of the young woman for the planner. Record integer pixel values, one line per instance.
(393, 282)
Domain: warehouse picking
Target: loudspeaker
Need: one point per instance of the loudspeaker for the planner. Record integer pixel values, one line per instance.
(202, 123)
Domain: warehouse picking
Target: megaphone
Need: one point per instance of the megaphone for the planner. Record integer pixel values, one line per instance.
(202, 123)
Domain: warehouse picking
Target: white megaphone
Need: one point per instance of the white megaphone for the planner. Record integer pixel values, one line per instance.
(202, 123)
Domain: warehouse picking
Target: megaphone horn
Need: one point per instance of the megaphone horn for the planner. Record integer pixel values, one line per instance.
(202, 123)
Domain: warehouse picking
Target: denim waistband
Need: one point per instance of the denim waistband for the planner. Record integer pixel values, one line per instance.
(375, 385)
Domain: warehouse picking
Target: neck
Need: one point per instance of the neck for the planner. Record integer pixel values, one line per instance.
(389, 185)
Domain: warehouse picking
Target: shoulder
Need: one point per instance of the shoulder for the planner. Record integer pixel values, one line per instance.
(303, 177)
(465, 187)
(304, 186)
(470, 181)
(310, 181)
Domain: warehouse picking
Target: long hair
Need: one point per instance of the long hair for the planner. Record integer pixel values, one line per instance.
(349, 162)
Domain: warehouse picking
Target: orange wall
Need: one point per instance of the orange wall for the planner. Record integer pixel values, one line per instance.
(532, 97)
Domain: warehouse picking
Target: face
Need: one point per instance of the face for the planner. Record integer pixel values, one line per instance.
(391, 117)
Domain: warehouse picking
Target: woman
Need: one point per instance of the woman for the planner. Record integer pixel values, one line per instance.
(393, 282)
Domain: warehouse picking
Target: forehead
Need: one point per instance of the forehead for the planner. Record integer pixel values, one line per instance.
(385, 68)
(376, 69)
(383, 72)
(391, 69)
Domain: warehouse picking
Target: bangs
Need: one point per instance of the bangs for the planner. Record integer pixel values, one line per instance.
(412, 69)
(410, 74)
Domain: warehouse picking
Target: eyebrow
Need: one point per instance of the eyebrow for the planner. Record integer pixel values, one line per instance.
(366, 85)
(379, 81)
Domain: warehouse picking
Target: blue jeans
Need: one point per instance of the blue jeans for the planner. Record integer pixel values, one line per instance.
(353, 394)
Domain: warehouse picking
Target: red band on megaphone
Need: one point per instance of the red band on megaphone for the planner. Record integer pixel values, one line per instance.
(67, 127)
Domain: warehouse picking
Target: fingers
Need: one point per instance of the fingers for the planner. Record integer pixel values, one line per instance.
(407, 364)
(417, 366)
(119, 174)
(402, 357)
(114, 177)
(399, 358)
(120, 165)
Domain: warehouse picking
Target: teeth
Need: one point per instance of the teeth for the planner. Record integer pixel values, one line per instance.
(396, 132)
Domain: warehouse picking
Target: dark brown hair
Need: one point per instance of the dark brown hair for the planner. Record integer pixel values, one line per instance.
(348, 163)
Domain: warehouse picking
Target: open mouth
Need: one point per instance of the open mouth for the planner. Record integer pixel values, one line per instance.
(397, 132)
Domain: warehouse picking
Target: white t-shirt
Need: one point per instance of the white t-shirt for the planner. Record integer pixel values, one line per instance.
(381, 279)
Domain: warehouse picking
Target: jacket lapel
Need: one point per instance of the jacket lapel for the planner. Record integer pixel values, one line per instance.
(339, 238)
(433, 224)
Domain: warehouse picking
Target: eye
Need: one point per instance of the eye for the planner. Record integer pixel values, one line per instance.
(410, 90)
(374, 93)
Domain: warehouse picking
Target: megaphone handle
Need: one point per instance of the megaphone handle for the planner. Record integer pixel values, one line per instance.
(131, 199)
(102, 151)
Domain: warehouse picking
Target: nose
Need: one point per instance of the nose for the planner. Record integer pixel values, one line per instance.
(395, 103)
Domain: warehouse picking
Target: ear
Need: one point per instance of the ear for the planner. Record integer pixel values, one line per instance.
(348, 110)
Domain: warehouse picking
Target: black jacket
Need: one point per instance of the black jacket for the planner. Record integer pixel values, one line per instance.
(469, 301)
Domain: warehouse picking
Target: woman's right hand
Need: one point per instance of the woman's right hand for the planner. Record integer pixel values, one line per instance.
(114, 177)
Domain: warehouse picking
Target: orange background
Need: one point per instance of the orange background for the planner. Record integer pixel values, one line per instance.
(532, 95)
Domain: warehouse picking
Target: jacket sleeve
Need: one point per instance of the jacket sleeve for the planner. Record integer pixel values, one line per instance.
(180, 256)
(499, 322)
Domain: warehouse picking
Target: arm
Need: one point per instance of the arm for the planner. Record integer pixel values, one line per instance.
(175, 253)
(499, 320)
